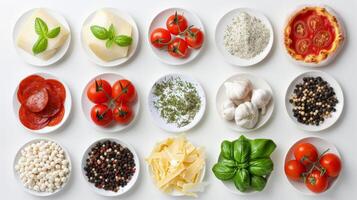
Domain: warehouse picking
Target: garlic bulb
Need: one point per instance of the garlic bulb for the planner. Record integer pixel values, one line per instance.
(228, 109)
(238, 89)
(246, 115)
(261, 99)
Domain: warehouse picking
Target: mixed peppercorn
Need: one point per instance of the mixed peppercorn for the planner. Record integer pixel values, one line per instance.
(313, 100)
(110, 166)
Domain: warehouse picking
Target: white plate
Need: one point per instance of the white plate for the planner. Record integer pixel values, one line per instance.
(160, 21)
(331, 57)
(67, 106)
(32, 192)
(339, 94)
(225, 21)
(321, 146)
(125, 188)
(257, 82)
(132, 48)
(87, 104)
(31, 59)
(172, 127)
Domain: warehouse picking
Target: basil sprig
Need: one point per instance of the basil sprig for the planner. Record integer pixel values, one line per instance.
(44, 34)
(109, 35)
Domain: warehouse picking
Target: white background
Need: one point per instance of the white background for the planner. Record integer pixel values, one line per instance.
(143, 69)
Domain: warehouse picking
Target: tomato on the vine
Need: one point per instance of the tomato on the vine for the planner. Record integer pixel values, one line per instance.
(178, 48)
(194, 37)
(101, 115)
(317, 181)
(99, 91)
(160, 37)
(176, 24)
(294, 170)
(306, 153)
(123, 114)
(123, 91)
(331, 163)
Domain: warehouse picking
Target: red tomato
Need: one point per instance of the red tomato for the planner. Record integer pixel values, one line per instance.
(306, 153)
(302, 46)
(123, 91)
(160, 37)
(322, 39)
(123, 114)
(317, 182)
(315, 23)
(300, 29)
(99, 91)
(101, 115)
(332, 164)
(176, 24)
(294, 170)
(178, 48)
(194, 38)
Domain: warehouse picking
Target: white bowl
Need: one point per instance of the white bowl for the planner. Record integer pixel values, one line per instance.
(321, 146)
(87, 104)
(335, 115)
(172, 127)
(67, 106)
(31, 59)
(132, 48)
(160, 21)
(257, 82)
(32, 192)
(331, 57)
(125, 188)
(225, 21)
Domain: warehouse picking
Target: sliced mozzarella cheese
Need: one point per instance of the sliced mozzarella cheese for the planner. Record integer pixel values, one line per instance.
(27, 36)
(105, 18)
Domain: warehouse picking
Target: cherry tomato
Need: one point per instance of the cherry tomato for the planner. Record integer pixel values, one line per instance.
(332, 164)
(317, 182)
(160, 37)
(123, 91)
(294, 170)
(300, 29)
(101, 115)
(178, 48)
(99, 91)
(322, 39)
(306, 153)
(302, 46)
(123, 114)
(315, 23)
(194, 38)
(176, 24)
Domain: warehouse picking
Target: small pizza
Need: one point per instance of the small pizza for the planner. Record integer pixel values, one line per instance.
(312, 35)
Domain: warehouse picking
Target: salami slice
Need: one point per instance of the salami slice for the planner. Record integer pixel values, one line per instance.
(36, 99)
(54, 104)
(55, 120)
(58, 88)
(32, 120)
(25, 83)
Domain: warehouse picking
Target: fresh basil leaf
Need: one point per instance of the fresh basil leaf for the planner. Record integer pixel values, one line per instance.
(261, 167)
(40, 45)
(40, 27)
(226, 149)
(241, 149)
(261, 148)
(223, 172)
(111, 32)
(99, 32)
(242, 180)
(258, 182)
(54, 32)
(227, 162)
(123, 40)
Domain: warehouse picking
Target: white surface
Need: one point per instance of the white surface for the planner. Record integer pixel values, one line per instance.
(258, 83)
(209, 69)
(226, 20)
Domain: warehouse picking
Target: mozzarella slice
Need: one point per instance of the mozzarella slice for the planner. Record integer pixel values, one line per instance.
(27, 36)
(105, 18)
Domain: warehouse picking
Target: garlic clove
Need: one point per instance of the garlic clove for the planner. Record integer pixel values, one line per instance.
(228, 109)
(261, 98)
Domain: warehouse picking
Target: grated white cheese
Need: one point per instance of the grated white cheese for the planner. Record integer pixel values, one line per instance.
(246, 36)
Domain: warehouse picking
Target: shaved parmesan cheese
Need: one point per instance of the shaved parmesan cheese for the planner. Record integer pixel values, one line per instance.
(177, 165)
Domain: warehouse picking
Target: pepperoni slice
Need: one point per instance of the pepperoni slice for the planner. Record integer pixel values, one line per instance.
(53, 106)
(36, 100)
(25, 83)
(55, 120)
(32, 120)
(58, 88)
